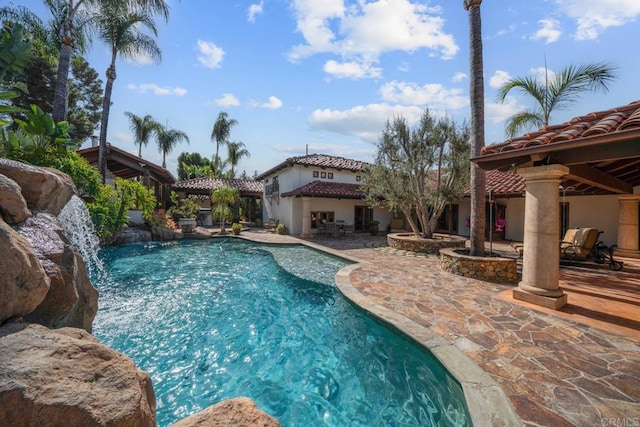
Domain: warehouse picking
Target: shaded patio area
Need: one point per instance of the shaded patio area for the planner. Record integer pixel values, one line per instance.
(554, 370)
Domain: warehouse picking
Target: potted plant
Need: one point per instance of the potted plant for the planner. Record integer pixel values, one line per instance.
(236, 228)
(374, 226)
(184, 212)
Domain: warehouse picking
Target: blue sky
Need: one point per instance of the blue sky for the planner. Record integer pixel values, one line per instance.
(327, 74)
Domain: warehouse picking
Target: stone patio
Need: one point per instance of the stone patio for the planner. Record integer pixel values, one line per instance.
(577, 367)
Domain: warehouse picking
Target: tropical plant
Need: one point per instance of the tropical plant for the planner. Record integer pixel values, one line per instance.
(183, 208)
(476, 98)
(236, 228)
(167, 139)
(419, 170)
(222, 199)
(556, 92)
(15, 55)
(220, 133)
(193, 165)
(142, 128)
(281, 229)
(236, 151)
(120, 27)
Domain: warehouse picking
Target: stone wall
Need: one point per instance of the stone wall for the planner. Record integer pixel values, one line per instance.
(409, 242)
(491, 269)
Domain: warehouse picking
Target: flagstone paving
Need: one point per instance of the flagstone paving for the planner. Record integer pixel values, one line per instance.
(554, 371)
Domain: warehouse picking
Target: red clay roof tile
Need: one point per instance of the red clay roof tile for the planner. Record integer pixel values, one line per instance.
(332, 190)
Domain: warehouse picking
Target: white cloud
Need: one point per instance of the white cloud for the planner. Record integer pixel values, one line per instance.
(549, 31)
(404, 66)
(365, 30)
(365, 122)
(124, 137)
(156, 89)
(273, 104)
(254, 10)
(210, 55)
(227, 100)
(351, 70)
(434, 96)
(542, 74)
(499, 78)
(459, 76)
(140, 58)
(499, 112)
(594, 16)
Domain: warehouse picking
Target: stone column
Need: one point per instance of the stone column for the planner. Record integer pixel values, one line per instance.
(628, 226)
(541, 258)
(306, 217)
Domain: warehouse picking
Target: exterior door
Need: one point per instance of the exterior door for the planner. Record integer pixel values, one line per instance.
(362, 218)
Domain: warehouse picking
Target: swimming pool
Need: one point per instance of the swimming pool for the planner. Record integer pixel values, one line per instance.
(219, 319)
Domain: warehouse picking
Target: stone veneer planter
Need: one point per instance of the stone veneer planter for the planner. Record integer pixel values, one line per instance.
(409, 242)
(491, 269)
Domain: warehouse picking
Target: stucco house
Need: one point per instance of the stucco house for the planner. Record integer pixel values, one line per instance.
(302, 191)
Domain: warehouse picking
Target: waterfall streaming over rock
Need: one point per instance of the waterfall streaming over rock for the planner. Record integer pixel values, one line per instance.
(76, 221)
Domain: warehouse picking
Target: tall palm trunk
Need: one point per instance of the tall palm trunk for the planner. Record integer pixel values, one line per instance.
(106, 105)
(476, 94)
(60, 93)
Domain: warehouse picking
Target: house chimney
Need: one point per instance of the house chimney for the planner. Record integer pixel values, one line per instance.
(94, 141)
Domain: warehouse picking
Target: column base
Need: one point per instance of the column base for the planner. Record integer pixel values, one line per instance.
(554, 303)
(626, 253)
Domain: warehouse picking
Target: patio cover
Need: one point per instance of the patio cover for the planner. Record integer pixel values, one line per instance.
(598, 153)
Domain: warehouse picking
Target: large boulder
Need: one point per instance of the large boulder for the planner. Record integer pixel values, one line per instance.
(13, 206)
(65, 377)
(23, 282)
(71, 299)
(238, 412)
(44, 189)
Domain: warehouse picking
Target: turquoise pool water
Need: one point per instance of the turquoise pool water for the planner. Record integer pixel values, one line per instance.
(220, 319)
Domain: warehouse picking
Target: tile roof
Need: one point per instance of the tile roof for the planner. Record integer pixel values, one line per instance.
(332, 190)
(318, 160)
(607, 122)
(206, 184)
(505, 183)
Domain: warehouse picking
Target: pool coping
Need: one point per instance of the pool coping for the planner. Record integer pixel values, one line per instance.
(486, 401)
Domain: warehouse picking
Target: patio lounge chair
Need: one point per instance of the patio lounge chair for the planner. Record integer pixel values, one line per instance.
(578, 243)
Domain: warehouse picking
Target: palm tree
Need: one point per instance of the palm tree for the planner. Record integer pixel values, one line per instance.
(120, 28)
(220, 133)
(222, 198)
(167, 139)
(476, 96)
(555, 93)
(69, 30)
(142, 128)
(237, 151)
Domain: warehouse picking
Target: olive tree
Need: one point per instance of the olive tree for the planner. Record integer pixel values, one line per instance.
(419, 171)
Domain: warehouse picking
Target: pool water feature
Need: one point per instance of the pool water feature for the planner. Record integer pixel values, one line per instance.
(220, 319)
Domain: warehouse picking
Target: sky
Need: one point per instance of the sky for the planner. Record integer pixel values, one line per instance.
(324, 76)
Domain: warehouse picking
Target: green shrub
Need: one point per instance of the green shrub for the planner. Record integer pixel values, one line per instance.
(236, 228)
(281, 229)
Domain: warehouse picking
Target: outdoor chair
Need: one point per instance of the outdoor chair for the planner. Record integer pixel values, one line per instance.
(331, 230)
(500, 223)
(349, 229)
(322, 228)
(578, 243)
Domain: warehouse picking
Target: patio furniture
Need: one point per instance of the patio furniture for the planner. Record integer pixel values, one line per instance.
(348, 229)
(582, 244)
(322, 228)
(271, 224)
(332, 229)
(500, 223)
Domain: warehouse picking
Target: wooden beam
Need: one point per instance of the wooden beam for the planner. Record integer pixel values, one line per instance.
(596, 178)
(602, 153)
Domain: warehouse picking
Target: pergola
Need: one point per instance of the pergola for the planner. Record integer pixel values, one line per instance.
(598, 153)
(250, 190)
(126, 165)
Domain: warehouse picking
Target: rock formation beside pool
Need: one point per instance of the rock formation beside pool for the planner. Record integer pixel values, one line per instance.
(55, 376)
